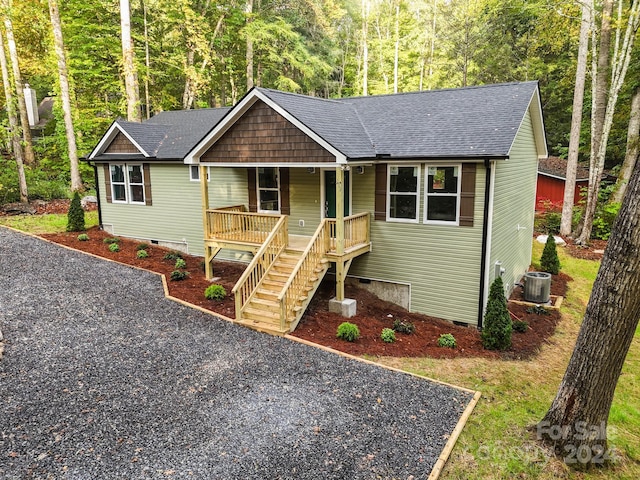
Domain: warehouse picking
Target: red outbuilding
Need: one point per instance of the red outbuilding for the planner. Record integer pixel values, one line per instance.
(551, 178)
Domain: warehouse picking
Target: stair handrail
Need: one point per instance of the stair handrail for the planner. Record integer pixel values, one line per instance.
(316, 249)
(263, 259)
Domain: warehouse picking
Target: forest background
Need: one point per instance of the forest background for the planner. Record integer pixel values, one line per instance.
(195, 54)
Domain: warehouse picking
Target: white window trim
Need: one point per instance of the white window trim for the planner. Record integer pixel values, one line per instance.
(113, 184)
(427, 195)
(259, 210)
(127, 184)
(197, 169)
(417, 195)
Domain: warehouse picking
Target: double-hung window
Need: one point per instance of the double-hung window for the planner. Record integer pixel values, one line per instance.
(127, 183)
(403, 193)
(268, 185)
(442, 194)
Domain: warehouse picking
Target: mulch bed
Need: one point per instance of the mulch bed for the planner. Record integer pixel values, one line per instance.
(593, 251)
(319, 325)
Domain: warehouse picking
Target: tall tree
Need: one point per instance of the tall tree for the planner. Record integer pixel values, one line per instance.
(576, 421)
(576, 120)
(605, 104)
(29, 156)
(633, 147)
(14, 130)
(249, 53)
(63, 78)
(134, 113)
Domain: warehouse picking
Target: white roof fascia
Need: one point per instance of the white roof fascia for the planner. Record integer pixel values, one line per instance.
(269, 164)
(537, 122)
(108, 138)
(238, 111)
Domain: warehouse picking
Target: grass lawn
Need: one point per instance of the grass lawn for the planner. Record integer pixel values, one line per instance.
(498, 441)
(49, 223)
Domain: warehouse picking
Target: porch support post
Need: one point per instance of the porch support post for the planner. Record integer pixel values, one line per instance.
(204, 194)
(339, 232)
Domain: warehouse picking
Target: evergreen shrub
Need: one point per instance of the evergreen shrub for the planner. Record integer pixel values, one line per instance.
(497, 327)
(75, 216)
(549, 261)
(348, 331)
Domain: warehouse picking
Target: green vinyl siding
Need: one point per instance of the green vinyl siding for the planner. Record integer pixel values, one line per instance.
(176, 211)
(440, 262)
(304, 201)
(513, 207)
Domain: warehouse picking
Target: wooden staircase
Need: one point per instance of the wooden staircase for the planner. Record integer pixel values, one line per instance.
(263, 311)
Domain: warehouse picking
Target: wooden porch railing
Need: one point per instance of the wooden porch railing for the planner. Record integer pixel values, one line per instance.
(232, 223)
(356, 230)
(259, 266)
(294, 289)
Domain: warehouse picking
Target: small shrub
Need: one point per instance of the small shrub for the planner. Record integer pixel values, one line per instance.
(114, 247)
(173, 255)
(178, 275)
(75, 216)
(538, 310)
(401, 326)
(110, 240)
(83, 237)
(142, 246)
(549, 261)
(142, 254)
(520, 326)
(447, 340)
(348, 331)
(180, 263)
(215, 292)
(388, 335)
(496, 334)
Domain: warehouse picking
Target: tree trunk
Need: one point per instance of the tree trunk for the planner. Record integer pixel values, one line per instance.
(621, 64)
(576, 122)
(76, 180)
(29, 156)
(14, 130)
(365, 47)
(147, 62)
(633, 148)
(129, 68)
(397, 51)
(249, 53)
(576, 421)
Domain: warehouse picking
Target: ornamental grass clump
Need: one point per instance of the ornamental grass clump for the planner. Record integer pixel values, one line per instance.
(402, 326)
(83, 237)
(114, 247)
(348, 331)
(215, 292)
(497, 328)
(142, 254)
(180, 263)
(75, 216)
(549, 261)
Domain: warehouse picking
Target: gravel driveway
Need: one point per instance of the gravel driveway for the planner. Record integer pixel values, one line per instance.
(102, 377)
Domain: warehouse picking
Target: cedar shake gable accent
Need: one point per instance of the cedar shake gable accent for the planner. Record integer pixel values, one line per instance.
(121, 144)
(263, 135)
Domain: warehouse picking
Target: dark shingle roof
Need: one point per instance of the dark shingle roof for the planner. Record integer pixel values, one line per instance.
(557, 167)
(171, 135)
(472, 121)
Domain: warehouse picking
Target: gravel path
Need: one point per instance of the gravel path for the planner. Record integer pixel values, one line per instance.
(102, 377)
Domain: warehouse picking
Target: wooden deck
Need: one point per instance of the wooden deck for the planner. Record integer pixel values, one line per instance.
(277, 286)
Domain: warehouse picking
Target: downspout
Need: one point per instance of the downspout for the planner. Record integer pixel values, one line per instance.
(485, 233)
(95, 179)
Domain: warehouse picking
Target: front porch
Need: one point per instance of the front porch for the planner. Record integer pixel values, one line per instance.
(286, 270)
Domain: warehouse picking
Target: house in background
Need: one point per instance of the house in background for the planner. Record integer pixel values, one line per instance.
(421, 197)
(552, 172)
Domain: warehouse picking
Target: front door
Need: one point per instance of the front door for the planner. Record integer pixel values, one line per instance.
(330, 194)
